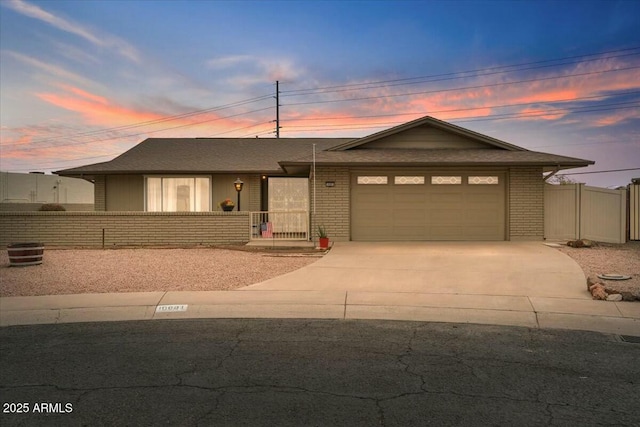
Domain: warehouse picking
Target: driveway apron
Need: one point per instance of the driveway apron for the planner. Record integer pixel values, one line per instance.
(468, 268)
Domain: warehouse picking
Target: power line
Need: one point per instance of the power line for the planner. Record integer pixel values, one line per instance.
(49, 165)
(142, 133)
(152, 122)
(612, 170)
(256, 134)
(456, 75)
(369, 86)
(364, 98)
(237, 129)
(467, 109)
(292, 93)
(356, 126)
(381, 82)
(577, 110)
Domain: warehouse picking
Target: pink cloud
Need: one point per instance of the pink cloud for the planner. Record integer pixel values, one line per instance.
(87, 95)
(97, 112)
(541, 100)
(100, 111)
(512, 96)
(537, 113)
(618, 117)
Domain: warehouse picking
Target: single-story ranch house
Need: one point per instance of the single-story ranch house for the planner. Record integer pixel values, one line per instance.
(422, 180)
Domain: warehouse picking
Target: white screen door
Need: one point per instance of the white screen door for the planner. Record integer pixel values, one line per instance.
(290, 195)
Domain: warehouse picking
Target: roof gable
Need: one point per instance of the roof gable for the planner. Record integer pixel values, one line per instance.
(427, 133)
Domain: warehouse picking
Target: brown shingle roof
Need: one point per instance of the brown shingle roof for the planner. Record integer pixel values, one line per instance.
(196, 155)
(272, 155)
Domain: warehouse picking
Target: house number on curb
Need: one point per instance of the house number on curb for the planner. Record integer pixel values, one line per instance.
(171, 308)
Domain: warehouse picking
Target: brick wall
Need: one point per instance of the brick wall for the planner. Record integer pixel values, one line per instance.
(254, 182)
(333, 208)
(526, 204)
(100, 193)
(124, 228)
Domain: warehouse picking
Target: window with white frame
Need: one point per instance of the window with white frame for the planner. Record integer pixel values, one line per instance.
(178, 194)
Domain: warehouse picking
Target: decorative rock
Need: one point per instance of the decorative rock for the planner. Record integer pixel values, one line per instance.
(580, 243)
(592, 280)
(628, 296)
(598, 292)
(614, 297)
(586, 243)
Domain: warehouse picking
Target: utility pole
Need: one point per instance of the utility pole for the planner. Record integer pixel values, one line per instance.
(277, 109)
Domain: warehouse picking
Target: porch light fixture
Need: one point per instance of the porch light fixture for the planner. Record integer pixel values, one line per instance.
(238, 185)
(329, 183)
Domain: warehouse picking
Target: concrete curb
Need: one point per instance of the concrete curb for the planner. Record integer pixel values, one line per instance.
(534, 312)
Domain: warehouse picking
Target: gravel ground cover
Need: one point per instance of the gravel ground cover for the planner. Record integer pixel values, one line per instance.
(606, 258)
(77, 271)
(74, 271)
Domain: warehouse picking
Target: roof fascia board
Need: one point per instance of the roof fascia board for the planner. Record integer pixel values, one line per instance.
(564, 165)
(168, 172)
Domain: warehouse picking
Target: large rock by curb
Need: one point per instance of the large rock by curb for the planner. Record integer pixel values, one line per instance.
(609, 289)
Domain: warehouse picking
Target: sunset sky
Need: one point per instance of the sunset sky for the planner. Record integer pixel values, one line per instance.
(83, 81)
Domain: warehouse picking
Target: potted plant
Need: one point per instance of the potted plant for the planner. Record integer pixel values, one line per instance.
(227, 205)
(322, 237)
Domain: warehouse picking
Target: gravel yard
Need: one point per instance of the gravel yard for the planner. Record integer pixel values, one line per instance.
(605, 258)
(74, 271)
(77, 271)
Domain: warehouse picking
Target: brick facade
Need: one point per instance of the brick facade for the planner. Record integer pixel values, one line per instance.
(333, 210)
(255, 183)
(333, 204)
(124, 228)
(526, 204)
(100, 193)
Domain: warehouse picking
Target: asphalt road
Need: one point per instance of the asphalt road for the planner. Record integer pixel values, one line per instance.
(314, 373)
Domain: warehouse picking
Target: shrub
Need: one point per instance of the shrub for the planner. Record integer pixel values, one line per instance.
(48, 207)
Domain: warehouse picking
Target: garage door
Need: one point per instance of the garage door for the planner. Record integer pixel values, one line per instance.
(429, 206)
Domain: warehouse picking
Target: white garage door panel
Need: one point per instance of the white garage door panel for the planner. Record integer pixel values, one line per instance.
(429, 211)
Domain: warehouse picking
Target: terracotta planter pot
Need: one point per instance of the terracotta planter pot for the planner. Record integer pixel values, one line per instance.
(324, 242)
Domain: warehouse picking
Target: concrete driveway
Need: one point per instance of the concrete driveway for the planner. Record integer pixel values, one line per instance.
(469, 268)
(498, 283)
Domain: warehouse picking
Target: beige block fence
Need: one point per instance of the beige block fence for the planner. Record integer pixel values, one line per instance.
(113, 229)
